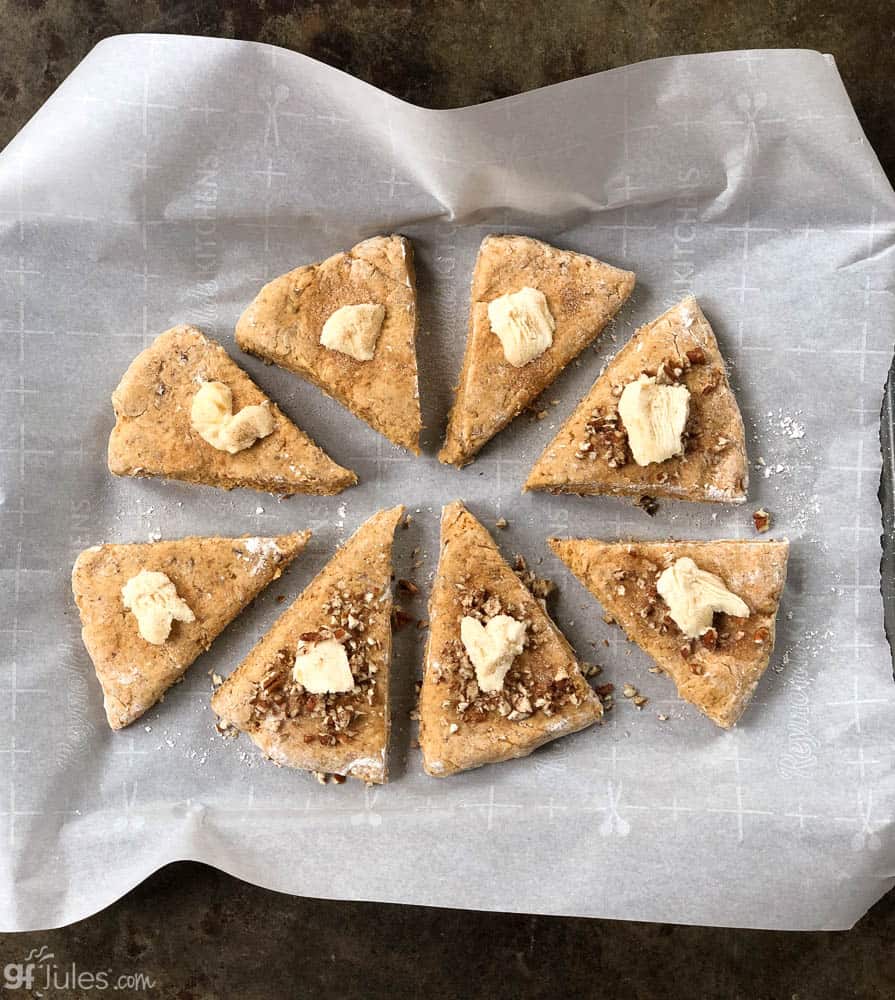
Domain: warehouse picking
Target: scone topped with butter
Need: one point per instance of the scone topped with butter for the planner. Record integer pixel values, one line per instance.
(185, 410)
(660, 421)
(313, 693)
(348, 324)
(533, 309)
(704, 611)
(148, 610)
(500, 678)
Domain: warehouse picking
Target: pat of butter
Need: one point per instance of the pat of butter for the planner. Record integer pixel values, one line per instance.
(654, 417)
(322, 668)
(523, 323)
(213, 419)
(152, 597)
(693, 595)
(354, 330)
(492, 648)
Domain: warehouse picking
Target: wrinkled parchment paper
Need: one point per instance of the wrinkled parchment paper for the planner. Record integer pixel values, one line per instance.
(163, 183)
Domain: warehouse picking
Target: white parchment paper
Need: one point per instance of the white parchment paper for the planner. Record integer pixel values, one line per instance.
(163, 183)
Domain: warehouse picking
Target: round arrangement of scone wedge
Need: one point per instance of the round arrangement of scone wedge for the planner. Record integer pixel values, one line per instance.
(500, 679)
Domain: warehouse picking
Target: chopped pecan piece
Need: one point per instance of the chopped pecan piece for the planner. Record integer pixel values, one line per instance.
(273, 680)
(606, 438)
(762, 520)
(648, 504)
(669, 372)
(400, 619)
(713, 380)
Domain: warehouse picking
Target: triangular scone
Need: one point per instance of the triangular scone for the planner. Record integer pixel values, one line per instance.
(590, 454)
(543, 695)
(719, 672)
(349, 602)
(582, 294)
(154, 436)
(216, 577)
(285, 321)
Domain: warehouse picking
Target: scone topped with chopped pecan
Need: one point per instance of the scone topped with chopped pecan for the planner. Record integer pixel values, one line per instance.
(500, 678)
(704, 611)
(313, 693)
(660, 421)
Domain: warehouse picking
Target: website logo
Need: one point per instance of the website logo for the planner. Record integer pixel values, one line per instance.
(41, 976)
